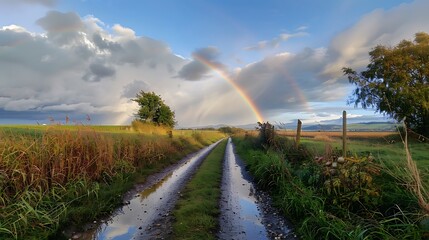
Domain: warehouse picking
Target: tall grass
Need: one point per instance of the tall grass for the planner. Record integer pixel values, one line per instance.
(44, 173)
(416, 184)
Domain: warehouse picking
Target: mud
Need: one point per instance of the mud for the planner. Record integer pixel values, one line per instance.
(246, 212)
(147, 208)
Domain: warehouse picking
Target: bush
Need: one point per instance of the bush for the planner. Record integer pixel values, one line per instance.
(266, 134)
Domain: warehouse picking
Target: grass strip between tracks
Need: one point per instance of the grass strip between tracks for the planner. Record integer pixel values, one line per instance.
(197, 210)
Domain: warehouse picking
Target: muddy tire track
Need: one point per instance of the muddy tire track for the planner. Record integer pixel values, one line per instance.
(246, 212)
(146, 210)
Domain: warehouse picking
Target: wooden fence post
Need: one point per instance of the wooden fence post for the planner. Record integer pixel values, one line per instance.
(298, 132)
(344, 134)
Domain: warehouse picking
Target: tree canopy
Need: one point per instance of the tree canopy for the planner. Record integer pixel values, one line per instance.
(153, 109)
(395, 82)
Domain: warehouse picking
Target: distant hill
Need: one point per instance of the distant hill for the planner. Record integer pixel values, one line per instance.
(217, 126)
(323, 126)
(361, 127)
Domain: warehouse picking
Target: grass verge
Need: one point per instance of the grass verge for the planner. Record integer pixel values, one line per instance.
(358, 200)
(197, 210)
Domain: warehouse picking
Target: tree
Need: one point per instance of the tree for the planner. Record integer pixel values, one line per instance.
(395, 82)
(153, 109)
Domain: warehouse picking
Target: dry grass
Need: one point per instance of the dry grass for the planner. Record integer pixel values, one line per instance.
(61, 155)
(56, 158)
(416, 184)
(37, 169)
(325, 138)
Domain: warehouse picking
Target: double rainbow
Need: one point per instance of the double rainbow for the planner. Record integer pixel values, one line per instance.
(249, 101)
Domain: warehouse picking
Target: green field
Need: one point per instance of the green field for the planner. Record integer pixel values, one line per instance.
(379, 148)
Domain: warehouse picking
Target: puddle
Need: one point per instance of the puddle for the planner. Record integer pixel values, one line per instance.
(135, 219)
(240, 216)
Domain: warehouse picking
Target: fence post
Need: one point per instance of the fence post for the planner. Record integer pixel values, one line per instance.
(298, 132)
(344, 134)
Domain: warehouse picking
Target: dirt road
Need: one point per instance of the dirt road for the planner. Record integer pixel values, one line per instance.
(245, 212)
(147, 206)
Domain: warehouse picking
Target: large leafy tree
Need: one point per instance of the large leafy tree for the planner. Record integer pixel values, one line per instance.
(153, 109)
(395, 82)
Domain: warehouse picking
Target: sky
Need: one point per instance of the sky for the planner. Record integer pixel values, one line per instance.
(212, 61)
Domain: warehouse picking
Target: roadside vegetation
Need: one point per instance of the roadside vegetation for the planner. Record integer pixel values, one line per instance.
(197, 211)
(55, 176)
(368, 195)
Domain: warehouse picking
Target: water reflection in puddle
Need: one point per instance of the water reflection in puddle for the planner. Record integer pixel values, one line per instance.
(131, 221)
(240, 218)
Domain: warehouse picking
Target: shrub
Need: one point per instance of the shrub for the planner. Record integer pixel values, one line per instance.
(266, 134)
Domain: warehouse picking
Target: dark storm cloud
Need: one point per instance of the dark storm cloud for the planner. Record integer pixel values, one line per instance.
(131, 89)
(208, 53)
(29, 115)
(98, 71)
(198, 68)
(105, 44)
(194, 70)
(51, 117)
(62, 28)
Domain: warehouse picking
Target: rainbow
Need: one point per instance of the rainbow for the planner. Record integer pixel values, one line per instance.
(298, 92)
(237, 87)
